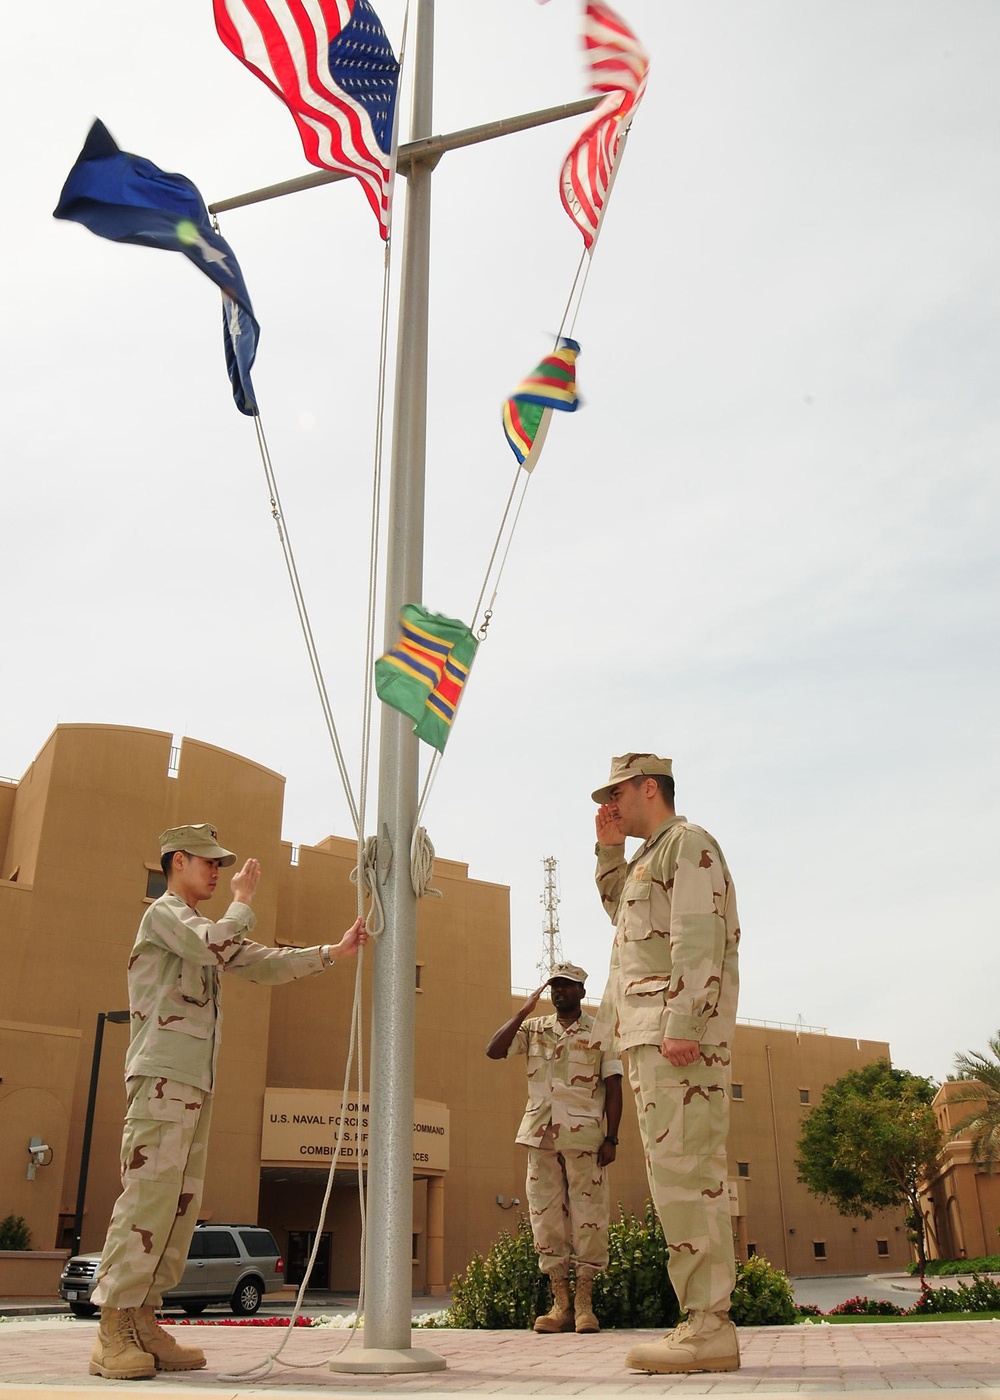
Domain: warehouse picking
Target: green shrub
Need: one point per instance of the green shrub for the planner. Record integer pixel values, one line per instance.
(943, 1268)
(981, 1295)
(14, 1233)
(866, 1307)
(762, 1296)
(635, 1290)
(503, 1290)
(936, 1300)
(506, 1290)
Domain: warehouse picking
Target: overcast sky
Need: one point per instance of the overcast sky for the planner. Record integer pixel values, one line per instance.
(765, 546)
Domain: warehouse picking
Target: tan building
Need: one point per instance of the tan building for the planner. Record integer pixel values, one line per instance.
(78, 864)
(961, 1201)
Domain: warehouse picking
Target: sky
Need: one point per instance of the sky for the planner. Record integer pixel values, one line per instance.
(765, 546)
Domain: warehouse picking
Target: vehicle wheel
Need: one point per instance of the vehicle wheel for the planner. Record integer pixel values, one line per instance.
(246, 1297)
(83, 1309)
(193, 1309)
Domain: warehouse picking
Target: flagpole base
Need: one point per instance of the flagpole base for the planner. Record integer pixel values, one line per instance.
(388, 1360)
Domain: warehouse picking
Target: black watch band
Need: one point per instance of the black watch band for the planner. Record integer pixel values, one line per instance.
(613, 1140)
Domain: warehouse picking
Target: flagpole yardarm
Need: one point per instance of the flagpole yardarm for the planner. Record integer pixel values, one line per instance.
(429, 149)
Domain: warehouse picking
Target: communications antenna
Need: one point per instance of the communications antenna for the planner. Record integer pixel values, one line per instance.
(552, 952)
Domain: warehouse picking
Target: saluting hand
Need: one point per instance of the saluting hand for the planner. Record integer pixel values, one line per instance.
(244, 882)
(609, 833)
(532, 1001)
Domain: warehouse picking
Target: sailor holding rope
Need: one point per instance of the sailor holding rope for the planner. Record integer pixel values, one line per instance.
(170, 1066)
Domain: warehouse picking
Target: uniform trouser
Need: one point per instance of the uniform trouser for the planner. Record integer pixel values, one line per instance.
(568, 1206)
(684, 1120)
(164, 1150)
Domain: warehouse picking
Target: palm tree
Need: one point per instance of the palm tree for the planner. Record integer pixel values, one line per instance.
(984, 1121)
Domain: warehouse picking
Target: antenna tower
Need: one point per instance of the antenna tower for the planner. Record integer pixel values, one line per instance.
(552, 952)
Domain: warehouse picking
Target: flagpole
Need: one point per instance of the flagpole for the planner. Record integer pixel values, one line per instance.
(389, 1243)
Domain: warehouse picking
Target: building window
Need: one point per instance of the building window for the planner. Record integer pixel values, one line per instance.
(803, 1096)
(415, 1246)
(819, 1249)
(419, 977)
(156, 882)
(882, 1246)
(742, 1168)
(737, 1091)
(751, 1251)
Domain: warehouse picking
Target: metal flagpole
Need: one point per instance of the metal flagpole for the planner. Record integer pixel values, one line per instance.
(388, 1252)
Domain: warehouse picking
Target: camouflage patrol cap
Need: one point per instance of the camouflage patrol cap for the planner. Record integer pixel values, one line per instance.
(633, 765)
(200, 840)
(569, 971)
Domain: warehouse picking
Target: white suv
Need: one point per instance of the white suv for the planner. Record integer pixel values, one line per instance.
(234, 1264)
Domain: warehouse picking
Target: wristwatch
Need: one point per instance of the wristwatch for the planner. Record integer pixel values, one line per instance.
(613, 1140)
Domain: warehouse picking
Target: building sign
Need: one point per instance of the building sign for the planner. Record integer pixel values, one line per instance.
(301, 1127)
(735, 1204)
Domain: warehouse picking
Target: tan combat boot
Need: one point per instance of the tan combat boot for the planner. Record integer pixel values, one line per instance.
(117, 1355)
(559, 1318)
(705, 1342)
(168, 1354)
(583, 1306)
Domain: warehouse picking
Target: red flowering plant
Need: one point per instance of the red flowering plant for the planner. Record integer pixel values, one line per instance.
(243, 1322)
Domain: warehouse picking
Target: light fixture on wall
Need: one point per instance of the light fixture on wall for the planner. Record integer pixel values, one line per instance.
(514, 1201)
(39, 1155)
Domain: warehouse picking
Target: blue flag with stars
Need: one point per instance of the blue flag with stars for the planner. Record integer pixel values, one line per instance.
(130, 200)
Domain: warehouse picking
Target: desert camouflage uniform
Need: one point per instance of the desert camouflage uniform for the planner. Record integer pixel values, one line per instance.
(173, 981)
(563, 1128)
(674, 975)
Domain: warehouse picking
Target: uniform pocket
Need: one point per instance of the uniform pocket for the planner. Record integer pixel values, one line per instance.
(636, 923)
(583, 1069)
(160, 1118)
(194, 984)
(186, 1017)
(692, 1110)
(539, 1066)
(648, 987)
(163, 1100)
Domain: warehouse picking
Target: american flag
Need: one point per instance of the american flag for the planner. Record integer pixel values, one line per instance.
(619, 66)
(330, 62)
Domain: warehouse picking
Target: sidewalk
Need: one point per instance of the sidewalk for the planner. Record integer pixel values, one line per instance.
(47, 1358)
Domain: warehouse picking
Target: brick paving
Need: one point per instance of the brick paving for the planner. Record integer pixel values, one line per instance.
(909, 1360)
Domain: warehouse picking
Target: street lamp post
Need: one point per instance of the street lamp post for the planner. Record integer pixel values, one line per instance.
(119, 1018)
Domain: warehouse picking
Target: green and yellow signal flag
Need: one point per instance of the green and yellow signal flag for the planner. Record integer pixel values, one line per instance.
(526, 414)
(425, 672)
